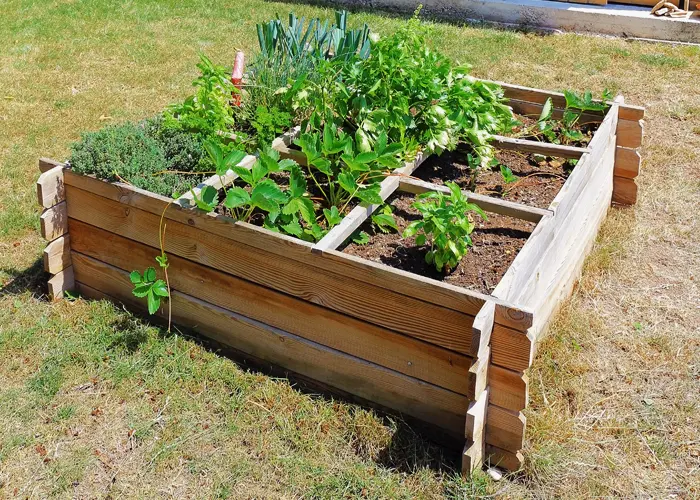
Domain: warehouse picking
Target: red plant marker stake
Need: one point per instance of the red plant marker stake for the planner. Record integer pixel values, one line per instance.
(237, 77)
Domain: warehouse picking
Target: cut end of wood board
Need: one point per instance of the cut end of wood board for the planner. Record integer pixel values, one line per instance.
(50, 189)
(624, 191)
(54, 222)
(507, 389)
(497, 457)
(505, 429)
(57, 255)
(46, 164)
(61, 283)
(514, 317)
(628, 162)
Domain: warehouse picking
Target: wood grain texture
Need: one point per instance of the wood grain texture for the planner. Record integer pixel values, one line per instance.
(508, 389)
(419, 399)
(511, 349)
(487, 203)
(479, 373)
(457, 298)
(498, 457)
(630, 133)
(628, 162)
(54, 221)
(57, 255)
(50, 188)
(46, 164)
(386, 348)
(215, 181)
(60, 283)
(542, 148)
(473, 454)
(534, 110)
(517, 318)
(624, 191)
(449, 329)
(505, 429)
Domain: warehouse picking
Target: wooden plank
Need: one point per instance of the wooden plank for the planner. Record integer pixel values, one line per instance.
(624, 191)
(497, 457)
(473, 454)
(511, 349)
(482, 328)
(534, 110)
(627, 162)
(361, 378)
(54, 222)
(517, 318)
(542, 148)
(479, 373)
(456, 298)
(487, 203)
(57, 255)
(61, 283)
(505, 429)
(50, 188)
(395, 351)
(337, 235)
(449, 328)
(215, 181)
(627, 111)
(46, 164)
(630, 133)
(508, 389)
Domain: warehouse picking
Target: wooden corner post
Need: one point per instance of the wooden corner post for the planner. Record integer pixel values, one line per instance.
(51, 196)
(630, 131)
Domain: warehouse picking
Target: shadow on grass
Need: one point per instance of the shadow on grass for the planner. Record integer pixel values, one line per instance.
(32, 279)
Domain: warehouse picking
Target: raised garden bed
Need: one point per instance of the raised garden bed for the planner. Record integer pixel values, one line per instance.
(450, 352)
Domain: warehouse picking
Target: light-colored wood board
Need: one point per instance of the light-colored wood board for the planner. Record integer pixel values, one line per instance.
(337, 235)
(54, 222)
(386, 348)
(627, 162)
(487, 203)
(479, 373)
(60, 283)
(497, 457)
(517, 318)
(57, 255)
(630, 133)
(511, 349)
(542, 148)
(46, 164)
(507, 389)
(534, 110)
(482, 328)
(393, 390)
(215, 181)
(627, 111)
(505, 429)
(457, 298)
(50, 188)
(624, 191)
(473, 454)
(380, 306)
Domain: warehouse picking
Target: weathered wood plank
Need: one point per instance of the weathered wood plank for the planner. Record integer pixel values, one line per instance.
(50, 188)
(505, 429)
(61, 283)
(534, 110)
(457, 298)
(508, 389)
(57, 255)
(487, 203)
(54, 222)
(449, 329)
(473, 454)
(482, 328)
(542, 148)
(478, 373)
(361, 378)
(511, 349)
(386, 348)
(498, 457)
(46, 164)
(624, 191)
(630, 133)
(627, 162)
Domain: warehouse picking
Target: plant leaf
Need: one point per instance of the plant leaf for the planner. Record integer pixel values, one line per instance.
(236, 197)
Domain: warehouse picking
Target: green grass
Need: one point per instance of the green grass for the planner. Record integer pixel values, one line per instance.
(123, 409)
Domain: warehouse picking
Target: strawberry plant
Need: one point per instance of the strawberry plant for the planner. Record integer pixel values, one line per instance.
(149, 286)
(445, 224)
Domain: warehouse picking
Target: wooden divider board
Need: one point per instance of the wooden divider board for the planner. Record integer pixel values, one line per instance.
(398, 352)
(411, 396)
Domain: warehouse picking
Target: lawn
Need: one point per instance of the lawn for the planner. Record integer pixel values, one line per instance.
(95, 402)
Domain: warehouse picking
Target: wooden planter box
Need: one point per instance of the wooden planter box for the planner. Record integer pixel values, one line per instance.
(442, 354)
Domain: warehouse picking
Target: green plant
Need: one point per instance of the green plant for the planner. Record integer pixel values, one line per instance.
(149, 286)
(507, 174)
(445, 224)
(270, 123)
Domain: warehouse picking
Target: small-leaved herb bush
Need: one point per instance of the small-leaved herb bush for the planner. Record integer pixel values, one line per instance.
(446, 226)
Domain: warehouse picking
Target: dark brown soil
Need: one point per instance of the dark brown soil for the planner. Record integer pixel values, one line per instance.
(496, 243)
(527, 130)
(538, 183)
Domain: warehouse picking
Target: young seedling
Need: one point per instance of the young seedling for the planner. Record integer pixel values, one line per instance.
(446, 225)
(149, 286)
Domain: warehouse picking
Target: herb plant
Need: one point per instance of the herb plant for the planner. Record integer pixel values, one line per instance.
(446, 225)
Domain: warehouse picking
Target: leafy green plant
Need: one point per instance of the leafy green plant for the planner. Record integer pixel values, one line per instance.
(445, 225)
(270, 123)
(149, 286)
(507, 174)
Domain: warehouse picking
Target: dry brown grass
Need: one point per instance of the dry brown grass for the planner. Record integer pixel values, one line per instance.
(96, 403)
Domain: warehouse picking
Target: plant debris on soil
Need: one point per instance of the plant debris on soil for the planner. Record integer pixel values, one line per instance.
(496, 242)
(539, 179)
